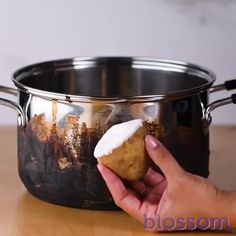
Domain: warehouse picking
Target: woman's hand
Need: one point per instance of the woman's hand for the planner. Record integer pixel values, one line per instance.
(179, 198)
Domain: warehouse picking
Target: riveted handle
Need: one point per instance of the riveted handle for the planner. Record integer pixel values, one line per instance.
(227, 85)
(12, 104)
(218, 103)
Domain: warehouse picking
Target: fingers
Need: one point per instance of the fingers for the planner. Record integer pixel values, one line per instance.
(151, 182)
(162, 157)
(152, 178)
(139, 187)
(123, 197)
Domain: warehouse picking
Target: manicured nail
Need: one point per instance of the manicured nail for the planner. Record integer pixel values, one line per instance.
(151, 141)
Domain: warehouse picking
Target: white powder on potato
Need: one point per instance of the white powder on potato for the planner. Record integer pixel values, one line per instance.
(115, 136)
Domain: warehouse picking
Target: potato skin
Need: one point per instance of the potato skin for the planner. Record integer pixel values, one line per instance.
(130, 160)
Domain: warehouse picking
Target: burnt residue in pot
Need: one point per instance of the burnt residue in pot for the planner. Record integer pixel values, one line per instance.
(56, 161)
(57, 165)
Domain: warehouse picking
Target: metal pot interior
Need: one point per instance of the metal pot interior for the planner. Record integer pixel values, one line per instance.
(114, 77)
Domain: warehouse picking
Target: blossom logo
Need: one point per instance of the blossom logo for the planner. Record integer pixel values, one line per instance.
(157, 223)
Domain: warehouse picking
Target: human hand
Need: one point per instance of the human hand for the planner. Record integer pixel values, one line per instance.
(176, 195)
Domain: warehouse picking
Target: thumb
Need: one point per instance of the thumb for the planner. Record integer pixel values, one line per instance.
(162, 158)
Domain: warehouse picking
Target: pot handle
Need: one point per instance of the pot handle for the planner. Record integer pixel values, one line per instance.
(14, 105)
(218, 103)
(227, 85)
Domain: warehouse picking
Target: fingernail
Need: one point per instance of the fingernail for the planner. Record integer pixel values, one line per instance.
(151, 141)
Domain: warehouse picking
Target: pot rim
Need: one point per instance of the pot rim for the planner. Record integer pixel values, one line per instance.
(135, 62)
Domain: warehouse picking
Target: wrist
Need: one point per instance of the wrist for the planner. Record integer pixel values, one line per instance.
(229, 207)
(223, 210)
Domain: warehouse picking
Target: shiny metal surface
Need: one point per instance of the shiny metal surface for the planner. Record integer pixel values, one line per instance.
(8, 90)
(217, 88)
(113, 78)
(56, 158)
(227, 85)
(12, 104)
(214, 105)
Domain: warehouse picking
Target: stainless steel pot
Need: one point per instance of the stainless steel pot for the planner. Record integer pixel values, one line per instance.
(65, 106)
